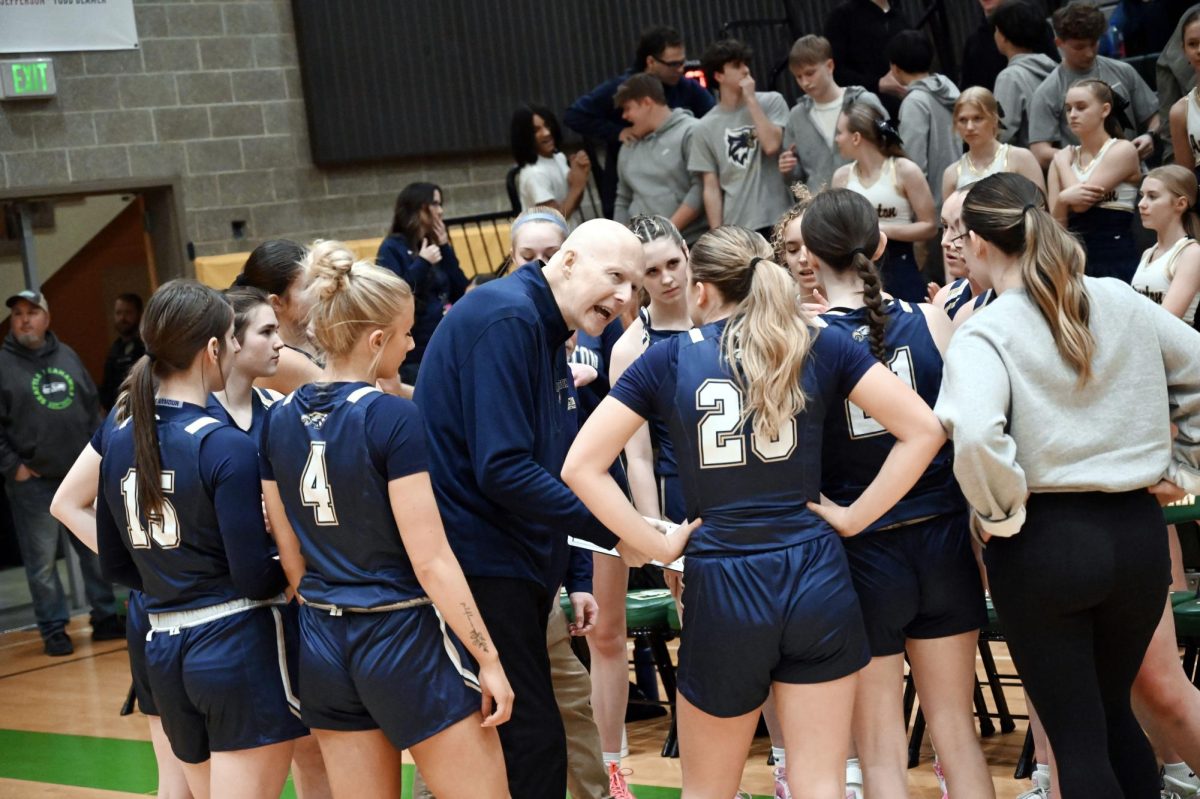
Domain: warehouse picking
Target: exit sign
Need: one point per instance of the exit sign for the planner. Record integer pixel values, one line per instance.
(27, 78)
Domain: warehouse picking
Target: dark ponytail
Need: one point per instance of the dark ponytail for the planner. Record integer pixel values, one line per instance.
(841, 229)
(180, 319)
(272, 267)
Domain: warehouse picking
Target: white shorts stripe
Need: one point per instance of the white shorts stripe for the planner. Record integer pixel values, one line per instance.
(281, 650)
(468, 676)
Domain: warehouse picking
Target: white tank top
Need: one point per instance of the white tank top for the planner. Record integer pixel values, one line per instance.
(884, 193)
(1153, 278)
(1193, 123)
(968, 174)
(1122, 198)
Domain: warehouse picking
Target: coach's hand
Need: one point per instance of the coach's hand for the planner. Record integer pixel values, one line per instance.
(585, 609)
(840, 517)
(493, 684)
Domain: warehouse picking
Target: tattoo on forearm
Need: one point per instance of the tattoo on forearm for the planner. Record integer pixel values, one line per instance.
(478, 640)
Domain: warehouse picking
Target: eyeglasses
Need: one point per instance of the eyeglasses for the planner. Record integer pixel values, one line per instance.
(957, 240)
(680, 64)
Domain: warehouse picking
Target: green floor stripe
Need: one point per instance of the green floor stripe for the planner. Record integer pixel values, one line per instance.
(115, 764)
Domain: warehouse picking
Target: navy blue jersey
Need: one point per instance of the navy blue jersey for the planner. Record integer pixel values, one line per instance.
(104, 431)
(332, 448)
(211, 545)
(751, 493)
(958, 297)
(856, 445)
(660, 434)
(260, 400)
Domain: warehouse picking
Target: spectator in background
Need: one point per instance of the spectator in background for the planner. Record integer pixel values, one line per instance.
(859, 32)
(982, 57)
(48, 411)
(1185, 113)
(653, 176)
(977, 121)
(1018, 28)
(127, 314)
(809, 154)
(927, 112)
(1077, 31)
(736, 147)
(547, 177)
(1174, 72)
(661, 54)
(418, 250)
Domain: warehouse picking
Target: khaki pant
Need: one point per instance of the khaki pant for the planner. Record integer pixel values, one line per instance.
(586, 778)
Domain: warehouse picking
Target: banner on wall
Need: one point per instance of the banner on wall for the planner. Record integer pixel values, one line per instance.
(50, 26)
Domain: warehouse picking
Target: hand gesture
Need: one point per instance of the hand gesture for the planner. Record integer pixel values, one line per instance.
(24, 473)
(677, 540)
(1144, 145)
(585, 610)
(627, 135)
(583, 374)
(1081, 196)
(840, 517)
(818, 306)
(788, 160)
(439, 231)
(931, 290)
(746, 84)
(493, 684)
(579, 167)
(430, 252)
(633, 558)
(1166, 492)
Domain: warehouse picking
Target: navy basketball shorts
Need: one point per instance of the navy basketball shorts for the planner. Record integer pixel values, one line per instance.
(671, 504)
(399, 671)
(788, 615)
(222, 686)
(137, 626)
(917, 581)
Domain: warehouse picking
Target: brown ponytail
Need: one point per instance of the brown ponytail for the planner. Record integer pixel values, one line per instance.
(767, 339)
(842, 230)
(1009, 211)
(180, 319)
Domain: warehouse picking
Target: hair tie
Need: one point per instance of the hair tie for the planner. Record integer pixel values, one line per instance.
(1028, 207)
(539, 216)
(886, 131)
(151, 356)
(860, 251)
(755, 261)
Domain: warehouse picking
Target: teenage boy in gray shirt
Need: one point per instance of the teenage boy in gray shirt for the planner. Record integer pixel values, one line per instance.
(927, 111)
(652, 172)
(1018, 29)
(735, 147)
(809, 154)
(1077, 31)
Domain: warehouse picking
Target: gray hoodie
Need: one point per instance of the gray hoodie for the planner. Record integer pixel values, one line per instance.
(1015, 86)
(817, 159)
(48, 407)
(927, 128)
(653, 178)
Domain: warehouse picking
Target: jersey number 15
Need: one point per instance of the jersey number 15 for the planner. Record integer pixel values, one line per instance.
(164, 529)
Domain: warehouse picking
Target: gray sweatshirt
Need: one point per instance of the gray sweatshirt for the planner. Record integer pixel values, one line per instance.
(817, 159)
(1015, 86)
(927, 128)
(1020, 423)
(653, 178)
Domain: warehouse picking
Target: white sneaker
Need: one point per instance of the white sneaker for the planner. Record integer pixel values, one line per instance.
(782, 791)
(1186, 787)
(854, 780)
(1037, 793)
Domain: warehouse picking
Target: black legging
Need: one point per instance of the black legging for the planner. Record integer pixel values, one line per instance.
(1079, 592)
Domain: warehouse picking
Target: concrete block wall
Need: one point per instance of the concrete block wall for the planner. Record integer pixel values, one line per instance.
(214, 96)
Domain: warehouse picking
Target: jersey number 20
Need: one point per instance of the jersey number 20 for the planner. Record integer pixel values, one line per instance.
(165, 529)
(722, 442)
(315, 491)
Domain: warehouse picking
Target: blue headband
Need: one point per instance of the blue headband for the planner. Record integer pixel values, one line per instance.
(539, 216)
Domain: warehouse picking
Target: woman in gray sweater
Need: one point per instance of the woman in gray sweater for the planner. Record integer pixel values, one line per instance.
(1060, 401)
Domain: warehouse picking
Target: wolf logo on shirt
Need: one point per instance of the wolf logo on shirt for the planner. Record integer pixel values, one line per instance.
(740, 144)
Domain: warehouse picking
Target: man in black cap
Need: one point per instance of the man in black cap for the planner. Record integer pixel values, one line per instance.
(48, 412)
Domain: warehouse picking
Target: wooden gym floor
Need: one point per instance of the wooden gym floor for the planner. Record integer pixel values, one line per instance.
(61, 735)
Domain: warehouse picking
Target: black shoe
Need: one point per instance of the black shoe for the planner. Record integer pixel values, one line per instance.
(110, 628)
(58, 645)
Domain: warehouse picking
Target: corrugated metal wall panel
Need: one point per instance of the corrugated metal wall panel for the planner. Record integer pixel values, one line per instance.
(386, 79)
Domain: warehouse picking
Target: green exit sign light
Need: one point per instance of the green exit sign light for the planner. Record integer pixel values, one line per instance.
(27, 78)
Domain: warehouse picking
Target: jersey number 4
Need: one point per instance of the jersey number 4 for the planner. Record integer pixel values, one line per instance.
(863, 426)
(722, 442)
(315, 491)
(164, 529)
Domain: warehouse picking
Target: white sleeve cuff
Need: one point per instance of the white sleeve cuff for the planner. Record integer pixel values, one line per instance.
(1004, 528)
